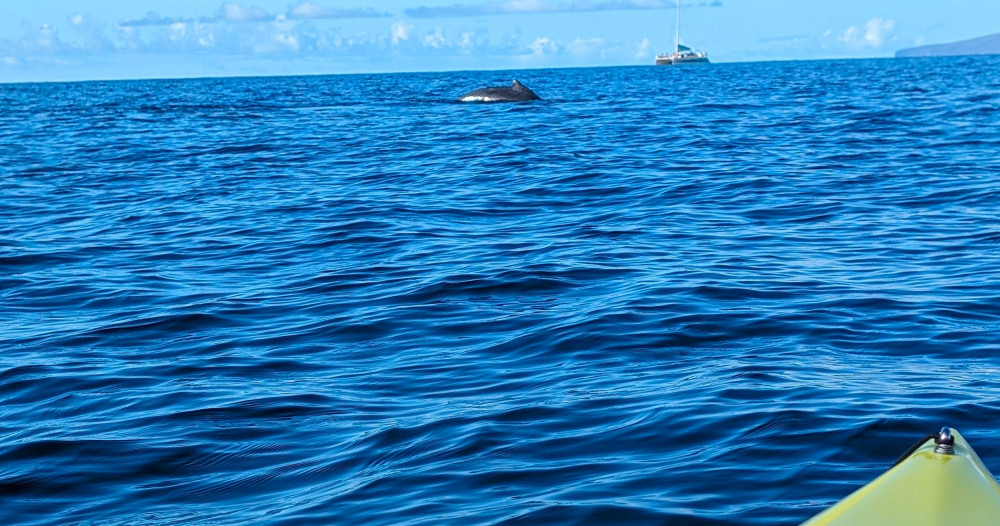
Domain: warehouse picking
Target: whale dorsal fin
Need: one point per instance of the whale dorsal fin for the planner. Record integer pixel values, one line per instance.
(517, 85)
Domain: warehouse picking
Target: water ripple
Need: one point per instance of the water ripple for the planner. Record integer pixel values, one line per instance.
(721, 295)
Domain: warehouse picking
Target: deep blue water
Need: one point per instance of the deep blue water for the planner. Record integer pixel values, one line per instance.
(707, 295)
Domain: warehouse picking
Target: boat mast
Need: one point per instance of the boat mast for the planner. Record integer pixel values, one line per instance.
(677, 30)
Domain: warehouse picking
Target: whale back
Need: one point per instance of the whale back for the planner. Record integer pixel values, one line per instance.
(517, 92)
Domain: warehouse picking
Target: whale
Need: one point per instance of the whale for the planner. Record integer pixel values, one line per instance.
(517, 92)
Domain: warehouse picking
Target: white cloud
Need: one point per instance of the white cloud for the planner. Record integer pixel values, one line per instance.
(400, 32)
(308, 10)
(153, 19)
(508, 7)
(238, 13)
(434, 39)
(283, 37)
(94, 39)
(237, 32)
(41, 39)
(586, 47)
(177, 31)
(544, 46)
(878, 30)
(207, 40)
(467, 42)
(849, 35)
(304, 10)
(875, 33)
(47, 36)
(643, 50)
(238, 29)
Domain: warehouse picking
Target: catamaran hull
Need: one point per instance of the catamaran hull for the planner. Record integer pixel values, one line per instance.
(675, 62)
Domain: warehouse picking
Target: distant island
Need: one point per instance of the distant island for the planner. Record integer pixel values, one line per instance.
(988, 45)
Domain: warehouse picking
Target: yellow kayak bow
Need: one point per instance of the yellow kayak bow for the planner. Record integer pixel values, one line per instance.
(942, 482)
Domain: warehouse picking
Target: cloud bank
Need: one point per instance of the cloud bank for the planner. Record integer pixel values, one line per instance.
(310, 10)
(513, 7)
(246, 29)
(153, 19)
(235, 37)
(233, 12)
(872, 36)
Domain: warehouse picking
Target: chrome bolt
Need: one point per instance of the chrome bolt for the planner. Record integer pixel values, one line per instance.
(945, 442)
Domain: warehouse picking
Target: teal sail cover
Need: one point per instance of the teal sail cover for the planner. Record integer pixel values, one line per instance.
(681, 47)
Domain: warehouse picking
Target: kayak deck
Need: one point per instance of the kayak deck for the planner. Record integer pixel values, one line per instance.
(930, 487)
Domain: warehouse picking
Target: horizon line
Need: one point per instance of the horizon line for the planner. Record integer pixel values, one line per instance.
(208, 77)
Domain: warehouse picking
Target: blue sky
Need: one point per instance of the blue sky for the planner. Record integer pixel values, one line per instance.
(100, 39)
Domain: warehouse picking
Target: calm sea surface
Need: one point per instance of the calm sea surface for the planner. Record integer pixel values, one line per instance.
(708, 295)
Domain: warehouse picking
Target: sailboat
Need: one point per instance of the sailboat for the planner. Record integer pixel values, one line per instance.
(682, 54)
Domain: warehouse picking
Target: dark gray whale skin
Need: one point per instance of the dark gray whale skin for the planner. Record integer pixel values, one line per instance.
(517, 92)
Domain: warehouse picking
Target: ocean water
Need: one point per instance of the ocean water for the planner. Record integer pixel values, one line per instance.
(709, 295)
